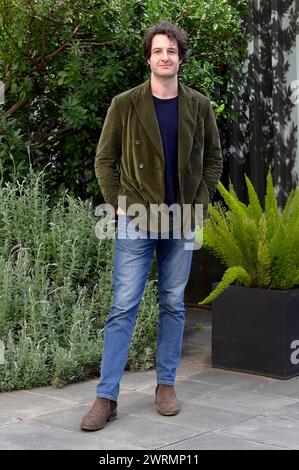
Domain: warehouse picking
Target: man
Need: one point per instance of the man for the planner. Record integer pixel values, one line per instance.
(164, 137)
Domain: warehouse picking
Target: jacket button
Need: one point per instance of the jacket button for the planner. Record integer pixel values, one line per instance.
(138, 142)
(141, 188)
(141, 165)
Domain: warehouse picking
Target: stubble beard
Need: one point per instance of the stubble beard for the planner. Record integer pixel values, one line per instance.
(166, 74)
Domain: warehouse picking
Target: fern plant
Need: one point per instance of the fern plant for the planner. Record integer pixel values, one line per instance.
(258, 247)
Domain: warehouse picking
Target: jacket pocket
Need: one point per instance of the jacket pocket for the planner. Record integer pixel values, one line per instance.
(202, 194)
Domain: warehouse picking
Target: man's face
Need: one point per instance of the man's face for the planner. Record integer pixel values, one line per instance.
(164, 60)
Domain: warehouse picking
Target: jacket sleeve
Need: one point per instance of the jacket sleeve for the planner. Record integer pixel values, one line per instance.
(108, 153)
(212, 158)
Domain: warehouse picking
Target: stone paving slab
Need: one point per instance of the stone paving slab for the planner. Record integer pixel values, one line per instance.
(214, 441)
(149, 434)
(267, 430)
(230, 398)
(190, 366)
(290, 412)
(201, 352)
(285, 388)
(232, 379)
(71, 394)
(6, 419)
(38, 436)
(26, 404)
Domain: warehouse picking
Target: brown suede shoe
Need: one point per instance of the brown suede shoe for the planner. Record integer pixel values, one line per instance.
(166, 401)
(102, 410)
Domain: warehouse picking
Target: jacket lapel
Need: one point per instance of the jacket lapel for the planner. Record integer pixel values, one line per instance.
(146, 112)
(187, 123)
(145, 109)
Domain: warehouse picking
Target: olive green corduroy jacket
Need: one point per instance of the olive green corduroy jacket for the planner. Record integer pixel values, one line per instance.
(131, 136)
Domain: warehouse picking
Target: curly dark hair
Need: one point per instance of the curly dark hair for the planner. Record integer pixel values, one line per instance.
(173, 32)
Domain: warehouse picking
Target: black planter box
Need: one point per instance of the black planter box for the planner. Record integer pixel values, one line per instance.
(256, 331)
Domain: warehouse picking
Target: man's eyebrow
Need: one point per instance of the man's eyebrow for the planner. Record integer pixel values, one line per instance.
(170, 47)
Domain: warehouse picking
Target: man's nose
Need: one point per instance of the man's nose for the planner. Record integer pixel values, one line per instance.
(165, 56)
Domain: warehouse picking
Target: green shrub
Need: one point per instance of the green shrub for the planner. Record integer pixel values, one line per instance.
(56, 290)
(62, 63)
(259, 247)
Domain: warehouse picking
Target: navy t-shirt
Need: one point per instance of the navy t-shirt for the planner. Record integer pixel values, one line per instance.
(167, 115)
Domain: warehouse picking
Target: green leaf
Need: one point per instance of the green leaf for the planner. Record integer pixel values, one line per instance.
(237, 273)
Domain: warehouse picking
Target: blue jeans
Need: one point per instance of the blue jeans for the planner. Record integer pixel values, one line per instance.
(132, 261)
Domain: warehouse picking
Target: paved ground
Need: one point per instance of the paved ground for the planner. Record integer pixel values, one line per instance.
(219, 409)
